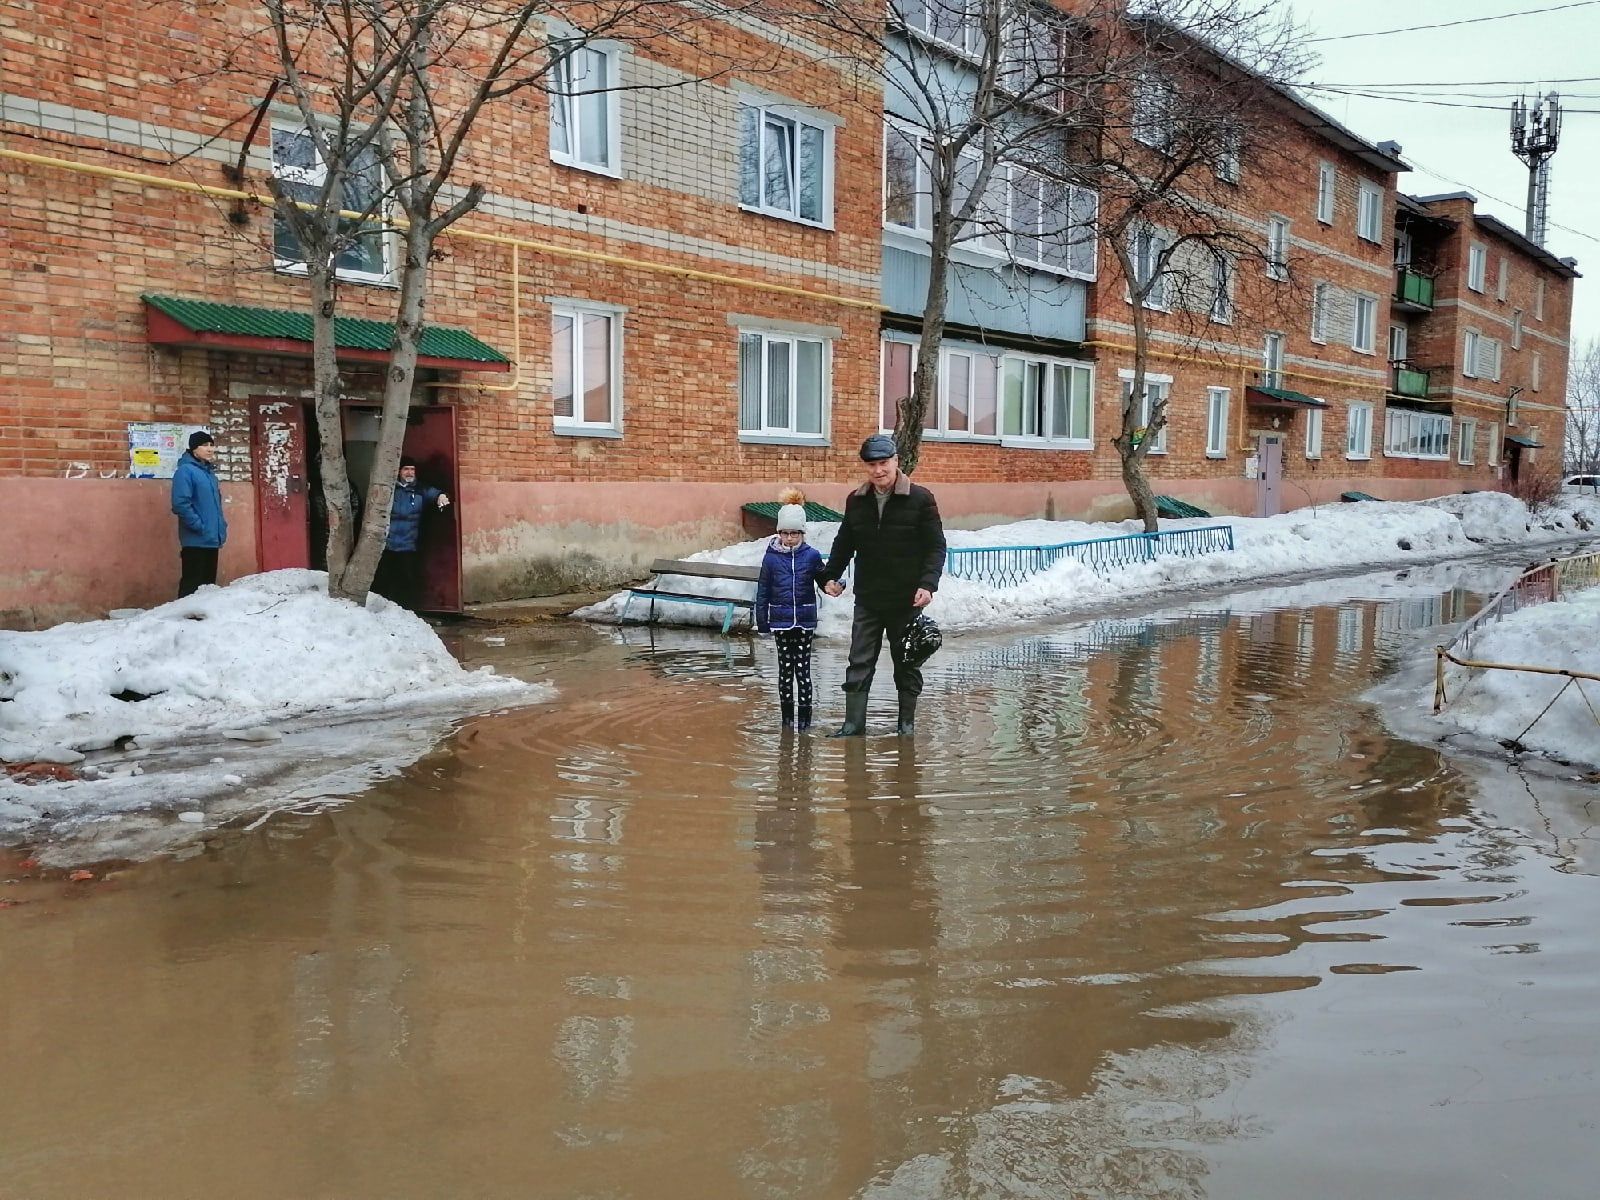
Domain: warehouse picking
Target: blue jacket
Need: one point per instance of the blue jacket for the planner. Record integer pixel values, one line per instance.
(405, 515)
(786, 594)
(197, 502)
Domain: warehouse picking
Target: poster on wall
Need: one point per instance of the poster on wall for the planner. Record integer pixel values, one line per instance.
(154, 448)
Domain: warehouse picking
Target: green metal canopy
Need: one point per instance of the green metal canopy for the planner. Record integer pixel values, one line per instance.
(175, 321)
(1280, 396)
(1518, 439)
(814, 512)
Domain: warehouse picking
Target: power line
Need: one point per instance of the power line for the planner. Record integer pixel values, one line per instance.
(1528, 12)
(1436, 103)
(1453, 83)
(1512, 204)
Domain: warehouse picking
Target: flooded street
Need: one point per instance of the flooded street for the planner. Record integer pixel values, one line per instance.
(1151, 907)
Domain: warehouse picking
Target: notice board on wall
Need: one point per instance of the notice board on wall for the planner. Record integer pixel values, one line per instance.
(154, 448)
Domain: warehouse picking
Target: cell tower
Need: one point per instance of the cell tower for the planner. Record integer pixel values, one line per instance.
(1535, 131)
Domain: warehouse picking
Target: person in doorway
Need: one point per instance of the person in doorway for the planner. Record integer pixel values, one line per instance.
(786, 606)
(892, 530)
(197, 503)
(399, 576)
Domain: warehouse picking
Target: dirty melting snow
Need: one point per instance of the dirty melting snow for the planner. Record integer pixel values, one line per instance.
(182, 690)
(1324, 538)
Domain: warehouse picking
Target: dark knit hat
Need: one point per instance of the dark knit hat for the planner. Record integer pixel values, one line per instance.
(407, 461)
(200, 438)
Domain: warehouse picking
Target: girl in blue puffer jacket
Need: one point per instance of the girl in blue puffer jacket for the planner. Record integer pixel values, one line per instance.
(786, 605)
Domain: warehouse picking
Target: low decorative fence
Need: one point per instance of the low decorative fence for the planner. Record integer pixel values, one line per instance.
(1554, 580)
(1008, 566)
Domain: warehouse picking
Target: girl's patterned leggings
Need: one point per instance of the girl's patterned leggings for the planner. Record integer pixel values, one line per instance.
(794, 664)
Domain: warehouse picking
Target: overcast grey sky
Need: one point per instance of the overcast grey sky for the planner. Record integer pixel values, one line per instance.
(1469, 149)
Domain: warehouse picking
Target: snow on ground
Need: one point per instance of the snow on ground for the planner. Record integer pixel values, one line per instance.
(1503, 704)
(174, 708)
(1307, 540)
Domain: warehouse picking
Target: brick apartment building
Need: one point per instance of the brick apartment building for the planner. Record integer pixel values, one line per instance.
(638, 333)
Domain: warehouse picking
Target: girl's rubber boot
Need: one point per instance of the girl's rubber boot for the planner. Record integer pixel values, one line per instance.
(804, 721)
(855, 716)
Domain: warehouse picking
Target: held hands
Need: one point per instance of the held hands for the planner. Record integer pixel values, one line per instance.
(922, 599)
(444, 501)
(833, 588)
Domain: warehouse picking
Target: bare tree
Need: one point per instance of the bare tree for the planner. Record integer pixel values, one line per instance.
(1583, 411)
(389, 93)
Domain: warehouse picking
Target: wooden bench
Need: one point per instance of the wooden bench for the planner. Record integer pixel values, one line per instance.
(695, 570)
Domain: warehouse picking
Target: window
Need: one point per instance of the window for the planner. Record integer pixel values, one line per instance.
(586, 347)
(1321, 296)
(1535, 371)
(1516, 329)
(1404, 247)
(1489, 364)
(1153, 404)
(1327, 181)
(785, 164)
(584, 130)
(1031, 53)
(363, 257)
(1314, 432)
(1466, 442)
(1230, 145)
(1153, 96)
(1358, 432)
(783, 385)
(1369, 213)
(1150, 272)
(1048, 399)
(1364, 336)
(1411, 434)
(1221, 290)
(1511, 410)
(1278, 248)
(1272, 361)
(1491, 446)
(1399, 339)
(1503, 284)
(1217, 422)
(966, 405)
(956, 23)
(1538, 300)
(1469, 354)
(1477, 267)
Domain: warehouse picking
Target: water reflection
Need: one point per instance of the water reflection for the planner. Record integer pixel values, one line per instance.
(1147, 908)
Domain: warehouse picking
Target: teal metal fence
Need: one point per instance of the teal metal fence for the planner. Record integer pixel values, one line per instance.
(1008, 566)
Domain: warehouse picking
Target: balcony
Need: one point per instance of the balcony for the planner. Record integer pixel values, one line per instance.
(1407, 381)
(1413, 292)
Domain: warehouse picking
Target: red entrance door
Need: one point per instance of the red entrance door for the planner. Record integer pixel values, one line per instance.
(278, 449)
(431, 440)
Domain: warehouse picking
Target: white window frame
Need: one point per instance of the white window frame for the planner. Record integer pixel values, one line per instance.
(1163, 390)
(968, 39)
(1466, 441)
(1227, 164)
(1495, 358)
(1364, 333)
(1492, 449)
(1153, 96)
(799, 120)
(1477, 266)
(1158, 297)
(316, 176)
(1511, 411)
(789, 434)
(1502, 285)
(1047, 439)
(1469, 353)
(1406, 431)
(1272, 363)
(1535, 370)
(1071, 200)
(1404, 247)
(561, 99)
(1278, 234)
(577, 311)
(1218, 400)
(1399, 344)
(1358, 420)
(1516, 329)
(1314, 432)
(1369, 212)
(1538, 299)
(1221, 290)
(1327, 189)
(1321, 294)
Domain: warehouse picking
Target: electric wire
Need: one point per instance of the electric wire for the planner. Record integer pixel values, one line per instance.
(1527, 12)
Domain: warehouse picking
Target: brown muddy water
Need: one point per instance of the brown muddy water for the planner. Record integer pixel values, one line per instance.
(1150, 908)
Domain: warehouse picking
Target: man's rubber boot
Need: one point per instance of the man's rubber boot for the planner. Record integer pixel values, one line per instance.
(855, 716)
(908, 715)
(804, 722)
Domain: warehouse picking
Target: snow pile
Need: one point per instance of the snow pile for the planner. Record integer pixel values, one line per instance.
(1326, 538)
(225, 661)
(1502, 704)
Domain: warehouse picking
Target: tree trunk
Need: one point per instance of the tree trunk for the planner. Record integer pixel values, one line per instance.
(337, 496)
(1132, 450)
(912, 418)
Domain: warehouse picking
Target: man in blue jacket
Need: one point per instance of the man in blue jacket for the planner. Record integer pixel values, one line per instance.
(197, 503)
(399, 574)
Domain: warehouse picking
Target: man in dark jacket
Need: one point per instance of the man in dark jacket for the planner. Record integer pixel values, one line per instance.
(197, 503)
(399, 575)
(891, 528)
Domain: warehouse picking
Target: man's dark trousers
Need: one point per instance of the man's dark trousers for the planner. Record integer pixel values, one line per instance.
(399, 578)
(866, 643)
(199, 568)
